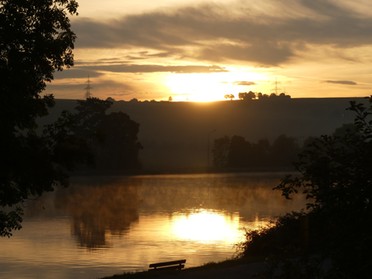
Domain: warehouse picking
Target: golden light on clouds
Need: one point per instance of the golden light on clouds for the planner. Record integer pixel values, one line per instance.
(143, 49)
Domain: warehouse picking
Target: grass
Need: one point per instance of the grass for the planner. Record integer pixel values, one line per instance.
(205, 270)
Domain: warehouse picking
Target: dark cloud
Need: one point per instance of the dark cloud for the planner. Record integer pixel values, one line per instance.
(245, 83)
(134, 68)
(215, 33)
(265, 55)
(93, 70)
(76, 73)
(345, 82)
(79, 89)
(146, 54)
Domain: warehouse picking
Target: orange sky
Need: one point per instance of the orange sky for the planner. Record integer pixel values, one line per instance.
(200, 50)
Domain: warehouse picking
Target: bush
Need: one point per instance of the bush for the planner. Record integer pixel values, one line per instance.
(333, 234)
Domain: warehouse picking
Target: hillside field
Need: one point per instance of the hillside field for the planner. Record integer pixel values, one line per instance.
(178, 136)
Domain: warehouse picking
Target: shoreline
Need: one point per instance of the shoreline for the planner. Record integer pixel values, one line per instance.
(233, 268)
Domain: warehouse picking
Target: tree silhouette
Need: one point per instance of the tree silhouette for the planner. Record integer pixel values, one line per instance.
(229, 96)
(119, 146)
(331, 238)
(221, 148)
(238, 153)
(90, 113)
(284, 151)
(337, 169)
(261, 96)
(35, 40)
(110, 138)
(247, 96)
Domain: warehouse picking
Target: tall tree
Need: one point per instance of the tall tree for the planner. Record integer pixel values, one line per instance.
(221, 149)
(112, 137)
(35, 41)
(119, 146)
(284, 151)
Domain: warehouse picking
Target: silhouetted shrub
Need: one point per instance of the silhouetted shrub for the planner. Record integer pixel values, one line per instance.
(335, 230)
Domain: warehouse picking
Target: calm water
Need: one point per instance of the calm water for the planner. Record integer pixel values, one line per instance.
(108, 225)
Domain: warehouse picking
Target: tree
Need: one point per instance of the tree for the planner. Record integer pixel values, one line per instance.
(260, 156)
(221, 149)
(90, 113)
(336, 178)
(284, 96)
(331, 238)
(111, 138)
(336, 170)
(35, 41)
(119, 146)
(239, 152)
(229, 96)
(284, 151)
(261, 96)
(247, 96)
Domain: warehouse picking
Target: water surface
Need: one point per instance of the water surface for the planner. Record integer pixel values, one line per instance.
(100, 226)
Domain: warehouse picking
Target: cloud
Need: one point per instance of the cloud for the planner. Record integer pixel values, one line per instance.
(135, 68)
(110, 87)
(146, 54)
(76, 73)
(345, 82)
(245, 83)
(265, 33)
(84, 70)
(266, 55)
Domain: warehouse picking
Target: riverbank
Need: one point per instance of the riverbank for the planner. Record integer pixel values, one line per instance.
(223, 270)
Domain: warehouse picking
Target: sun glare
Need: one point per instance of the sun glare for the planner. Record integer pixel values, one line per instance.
(209, 87)
(197, 87)
(208, 226)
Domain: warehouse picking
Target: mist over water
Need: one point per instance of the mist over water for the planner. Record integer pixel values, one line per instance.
(101, 226)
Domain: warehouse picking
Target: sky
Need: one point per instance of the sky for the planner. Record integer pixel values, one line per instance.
(201, 50)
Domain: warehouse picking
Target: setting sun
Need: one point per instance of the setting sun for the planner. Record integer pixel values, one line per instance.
(198, 87)
(209, 87)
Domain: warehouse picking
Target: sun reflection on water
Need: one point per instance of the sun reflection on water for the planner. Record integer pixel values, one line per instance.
(208, 226)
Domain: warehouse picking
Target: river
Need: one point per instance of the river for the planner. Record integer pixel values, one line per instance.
(100, 226)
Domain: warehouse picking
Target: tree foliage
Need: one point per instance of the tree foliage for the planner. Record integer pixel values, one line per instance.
(336, 170)
(229, 96)
(237, 153)
(35, 40)
(332, 235)
(108, 141)
(247, 96)
(119, 148)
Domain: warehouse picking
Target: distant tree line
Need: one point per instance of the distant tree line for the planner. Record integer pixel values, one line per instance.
(238, 153)
(248, 96)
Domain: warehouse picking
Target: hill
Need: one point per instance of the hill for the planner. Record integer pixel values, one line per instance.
(178, 136)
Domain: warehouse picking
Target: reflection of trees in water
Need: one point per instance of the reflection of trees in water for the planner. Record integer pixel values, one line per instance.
(99, 206)
(97, 210)
(248, 194)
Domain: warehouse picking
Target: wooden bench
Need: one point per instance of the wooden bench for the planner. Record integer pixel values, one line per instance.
(179, 264)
